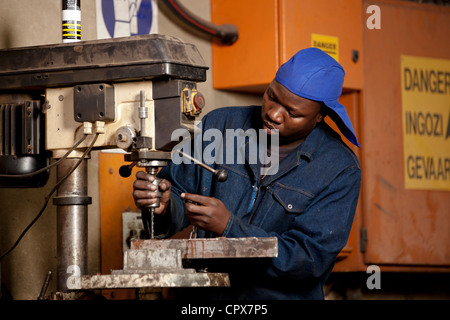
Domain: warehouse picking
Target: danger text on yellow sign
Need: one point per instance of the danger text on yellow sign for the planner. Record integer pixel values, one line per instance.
(426, 122)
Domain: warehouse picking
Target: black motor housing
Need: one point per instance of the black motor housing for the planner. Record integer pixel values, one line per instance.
(22, 142)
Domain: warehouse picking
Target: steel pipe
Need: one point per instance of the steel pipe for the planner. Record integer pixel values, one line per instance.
(71, 200)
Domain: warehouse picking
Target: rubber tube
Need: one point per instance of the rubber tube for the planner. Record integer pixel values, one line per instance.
(226, 33)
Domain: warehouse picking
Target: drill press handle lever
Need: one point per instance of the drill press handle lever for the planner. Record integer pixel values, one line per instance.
(221, 175)
(125, 170)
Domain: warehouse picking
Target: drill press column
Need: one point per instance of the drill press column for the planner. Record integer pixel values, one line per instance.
(72, 209)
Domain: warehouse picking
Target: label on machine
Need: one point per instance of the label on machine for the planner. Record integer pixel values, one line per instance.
(426, 122)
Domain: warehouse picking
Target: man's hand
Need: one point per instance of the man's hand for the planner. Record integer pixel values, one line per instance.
(209, 214)
(144, 192)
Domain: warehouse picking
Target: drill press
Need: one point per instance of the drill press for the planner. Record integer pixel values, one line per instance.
(131, 93)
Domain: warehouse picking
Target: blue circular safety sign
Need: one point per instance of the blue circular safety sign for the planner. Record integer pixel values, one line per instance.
(138, 19)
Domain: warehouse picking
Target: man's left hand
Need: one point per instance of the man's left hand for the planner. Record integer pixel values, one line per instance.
(209, 214)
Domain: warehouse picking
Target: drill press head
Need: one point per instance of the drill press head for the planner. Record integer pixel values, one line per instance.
(96, 85)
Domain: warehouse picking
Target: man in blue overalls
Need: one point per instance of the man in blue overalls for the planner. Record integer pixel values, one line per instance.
(308, 203)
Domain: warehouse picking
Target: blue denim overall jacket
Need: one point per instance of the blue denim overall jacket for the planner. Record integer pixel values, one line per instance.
(308, 204)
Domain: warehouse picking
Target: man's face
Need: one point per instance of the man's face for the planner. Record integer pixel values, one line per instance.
(295, 117)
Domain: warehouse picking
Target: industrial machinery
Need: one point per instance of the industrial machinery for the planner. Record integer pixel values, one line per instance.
(59, 102)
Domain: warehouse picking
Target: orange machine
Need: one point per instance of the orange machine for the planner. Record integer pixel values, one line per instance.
(271, 31)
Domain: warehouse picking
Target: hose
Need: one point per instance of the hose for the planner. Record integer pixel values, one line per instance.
(227, 34)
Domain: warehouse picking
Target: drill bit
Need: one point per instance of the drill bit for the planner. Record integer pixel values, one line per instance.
(153, 171)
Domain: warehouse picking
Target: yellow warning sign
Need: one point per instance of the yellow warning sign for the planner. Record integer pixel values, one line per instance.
(426, 122)
(328, 44)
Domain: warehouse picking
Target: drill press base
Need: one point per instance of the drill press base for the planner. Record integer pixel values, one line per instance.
(158, 263)
(151, 280)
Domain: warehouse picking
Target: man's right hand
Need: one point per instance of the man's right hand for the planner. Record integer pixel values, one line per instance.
(144, 192)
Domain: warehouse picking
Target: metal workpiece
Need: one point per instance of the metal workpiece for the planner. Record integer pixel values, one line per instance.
(71, 200)
(152, 261)
(206, 248)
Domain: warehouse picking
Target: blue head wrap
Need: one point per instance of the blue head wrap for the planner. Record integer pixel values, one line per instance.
(314, 75)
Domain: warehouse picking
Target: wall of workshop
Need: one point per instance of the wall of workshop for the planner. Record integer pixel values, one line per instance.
(29, 23)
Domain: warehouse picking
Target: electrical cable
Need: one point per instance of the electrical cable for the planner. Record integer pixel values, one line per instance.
(48, 197)
(47, 167)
